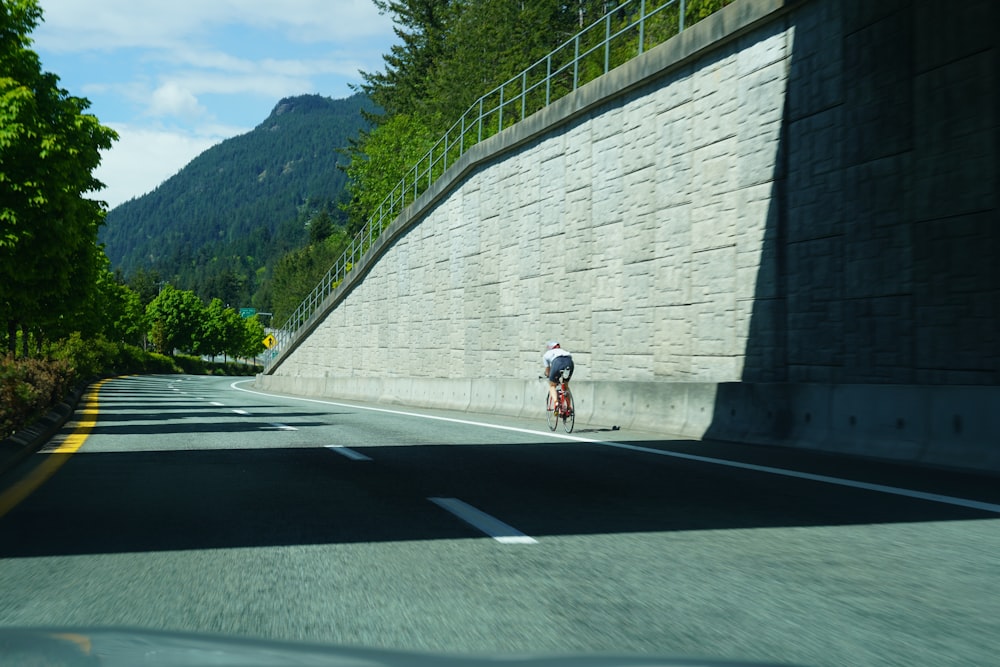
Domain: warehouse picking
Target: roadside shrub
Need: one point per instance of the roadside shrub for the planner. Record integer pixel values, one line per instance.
(28, 387)
(238, 368)
(135, 360)
(161, 363)
(198, 366)
(90, 358)
(192, 365)
(131, 359)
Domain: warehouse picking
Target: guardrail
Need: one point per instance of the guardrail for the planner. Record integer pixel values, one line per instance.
(620, 35)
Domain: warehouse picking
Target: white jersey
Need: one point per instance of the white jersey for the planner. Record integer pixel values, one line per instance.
(550, 355)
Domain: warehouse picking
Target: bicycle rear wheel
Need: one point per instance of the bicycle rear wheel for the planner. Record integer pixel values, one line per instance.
(551, 416)
(569, 413)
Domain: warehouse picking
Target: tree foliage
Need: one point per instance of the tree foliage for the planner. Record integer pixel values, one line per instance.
(320, 227)
(49, 148)
(175, 319)
(381, 161)
(421, 26)
(179, 321)
(298, 272)
(250, 339)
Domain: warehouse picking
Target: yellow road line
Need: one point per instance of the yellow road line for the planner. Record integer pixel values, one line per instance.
(13, 496)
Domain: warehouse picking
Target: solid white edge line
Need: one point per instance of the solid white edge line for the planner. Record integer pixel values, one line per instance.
(402, 413)
(867, 486)
(490, 525)
(348, 452)
(878, 488)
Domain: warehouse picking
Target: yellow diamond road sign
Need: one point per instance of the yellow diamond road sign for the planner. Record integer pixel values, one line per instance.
(270, 341)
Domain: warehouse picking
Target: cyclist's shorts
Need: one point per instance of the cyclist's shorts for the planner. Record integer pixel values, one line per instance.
(558, 364)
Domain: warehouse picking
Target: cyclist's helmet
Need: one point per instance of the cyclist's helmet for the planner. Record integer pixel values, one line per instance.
(552, 344)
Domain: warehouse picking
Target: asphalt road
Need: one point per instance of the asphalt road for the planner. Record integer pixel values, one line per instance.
(193, 504)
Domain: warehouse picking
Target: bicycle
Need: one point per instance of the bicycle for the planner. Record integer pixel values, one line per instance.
(564, 408)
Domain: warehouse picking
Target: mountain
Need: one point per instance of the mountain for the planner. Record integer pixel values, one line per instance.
(235, 209)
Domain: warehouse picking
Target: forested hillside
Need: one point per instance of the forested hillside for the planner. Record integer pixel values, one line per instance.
(237, 208)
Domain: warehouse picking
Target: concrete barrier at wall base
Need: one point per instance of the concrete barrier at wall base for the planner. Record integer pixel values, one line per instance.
(941, 426)
(944, 426)
(968, 420)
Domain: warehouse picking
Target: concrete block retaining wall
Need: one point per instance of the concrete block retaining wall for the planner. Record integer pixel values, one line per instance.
(780, 226)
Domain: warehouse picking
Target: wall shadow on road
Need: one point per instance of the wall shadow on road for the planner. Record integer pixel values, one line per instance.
(203, 422)
(212, 499)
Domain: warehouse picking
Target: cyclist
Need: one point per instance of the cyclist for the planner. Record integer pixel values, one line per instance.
(556, 360)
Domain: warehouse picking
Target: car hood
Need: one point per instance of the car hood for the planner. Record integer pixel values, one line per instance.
(124, 647)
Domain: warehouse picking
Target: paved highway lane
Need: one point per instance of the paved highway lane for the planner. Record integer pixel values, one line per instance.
(194, 504)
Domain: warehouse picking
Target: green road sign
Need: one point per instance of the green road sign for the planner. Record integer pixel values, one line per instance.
(248, 312)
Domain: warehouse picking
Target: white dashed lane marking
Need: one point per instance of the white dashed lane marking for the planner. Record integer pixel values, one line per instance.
(495, 528)
(348, 452)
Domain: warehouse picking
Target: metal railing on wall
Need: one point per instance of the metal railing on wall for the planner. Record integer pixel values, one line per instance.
(624, 33)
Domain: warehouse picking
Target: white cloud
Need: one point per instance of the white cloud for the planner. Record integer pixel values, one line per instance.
(210, 71)
(102, 25)
(143, 158)
(173, 99)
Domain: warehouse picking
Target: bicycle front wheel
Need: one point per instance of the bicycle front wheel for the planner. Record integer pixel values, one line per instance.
(551, 417)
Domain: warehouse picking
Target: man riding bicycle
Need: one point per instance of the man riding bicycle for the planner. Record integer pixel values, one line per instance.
(556, 360)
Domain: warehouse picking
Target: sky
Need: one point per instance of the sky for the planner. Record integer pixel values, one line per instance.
(176, 77)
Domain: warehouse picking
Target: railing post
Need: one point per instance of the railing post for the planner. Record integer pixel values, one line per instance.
(500, 122)
(524, 94)
(642, 25)
(576, 60)
(548, 79)
(607, 43)
(683, 12)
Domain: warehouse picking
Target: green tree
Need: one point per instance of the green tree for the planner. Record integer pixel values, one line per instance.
(146, 284)
(380, 161)
(210, 337)
(320, 227)
(222, 331)
(112, 309)
(226, 285)
(252, 342)
(421, 26)
(49, 149)
(126, 315)
(175, 319)
(298, 272)
(699, 9)
(491, 41)
(234, 333)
